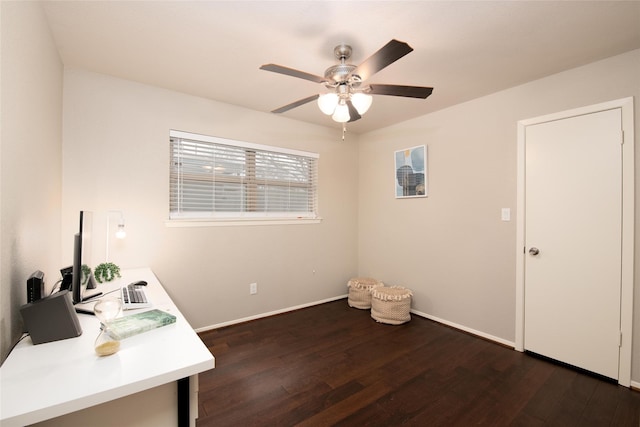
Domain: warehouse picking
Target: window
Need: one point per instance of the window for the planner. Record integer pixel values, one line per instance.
(215, 178)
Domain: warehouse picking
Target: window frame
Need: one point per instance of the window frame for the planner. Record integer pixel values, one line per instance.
(245, 217)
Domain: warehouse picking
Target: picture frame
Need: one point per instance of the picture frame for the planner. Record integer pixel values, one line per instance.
(411, 172)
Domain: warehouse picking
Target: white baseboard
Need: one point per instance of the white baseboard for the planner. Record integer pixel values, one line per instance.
(418, 313)
(502, 341)
(270, 313)
(635, 385)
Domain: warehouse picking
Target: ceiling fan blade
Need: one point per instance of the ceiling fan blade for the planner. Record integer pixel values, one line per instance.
(353, 113)
(397, 90)
(294, 73)
(387, 55)
(296, 104)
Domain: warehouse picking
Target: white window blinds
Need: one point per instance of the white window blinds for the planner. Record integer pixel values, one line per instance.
(219, 178)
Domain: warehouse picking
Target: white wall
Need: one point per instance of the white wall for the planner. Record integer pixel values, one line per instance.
(30, 153)
(452, 249)
(116, 156)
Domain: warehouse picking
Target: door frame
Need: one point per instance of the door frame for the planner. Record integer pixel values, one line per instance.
(628, 235)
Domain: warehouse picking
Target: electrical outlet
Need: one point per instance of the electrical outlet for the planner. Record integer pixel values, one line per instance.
(253, 288)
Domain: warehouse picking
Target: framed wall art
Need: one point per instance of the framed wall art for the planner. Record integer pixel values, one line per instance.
(411, 172)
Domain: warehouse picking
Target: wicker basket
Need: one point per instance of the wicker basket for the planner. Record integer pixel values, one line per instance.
(391, 305)
(360, 291)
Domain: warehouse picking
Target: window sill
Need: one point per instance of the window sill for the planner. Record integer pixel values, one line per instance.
(239, 222)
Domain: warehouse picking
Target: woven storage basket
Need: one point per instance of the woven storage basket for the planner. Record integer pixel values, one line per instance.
(360, 291)
(391, 305)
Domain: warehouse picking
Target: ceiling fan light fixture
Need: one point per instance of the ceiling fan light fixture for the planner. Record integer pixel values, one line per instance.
(362, 102)
(341, 115)
(328, 103)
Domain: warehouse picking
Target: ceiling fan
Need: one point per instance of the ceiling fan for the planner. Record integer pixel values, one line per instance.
(349, 97)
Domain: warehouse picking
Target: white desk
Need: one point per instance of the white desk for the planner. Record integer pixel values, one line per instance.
(40, 382)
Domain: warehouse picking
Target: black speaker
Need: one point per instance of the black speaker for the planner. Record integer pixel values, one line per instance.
(51, 318)
(35, 286)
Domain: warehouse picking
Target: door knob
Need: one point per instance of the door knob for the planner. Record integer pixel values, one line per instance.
(534, 251)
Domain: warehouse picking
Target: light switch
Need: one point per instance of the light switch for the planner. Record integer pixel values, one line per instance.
(506, 214)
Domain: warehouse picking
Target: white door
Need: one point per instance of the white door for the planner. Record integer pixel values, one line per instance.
(573, 235)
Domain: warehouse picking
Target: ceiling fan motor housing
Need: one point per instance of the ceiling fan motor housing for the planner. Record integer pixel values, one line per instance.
(341, 73)
(337, 74)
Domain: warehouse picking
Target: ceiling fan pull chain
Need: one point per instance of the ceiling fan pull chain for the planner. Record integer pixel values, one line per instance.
(344, 129)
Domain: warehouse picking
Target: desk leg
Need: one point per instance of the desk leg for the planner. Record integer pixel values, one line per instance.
(183, 402)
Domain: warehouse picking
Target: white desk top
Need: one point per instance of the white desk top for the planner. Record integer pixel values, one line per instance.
(39, 382)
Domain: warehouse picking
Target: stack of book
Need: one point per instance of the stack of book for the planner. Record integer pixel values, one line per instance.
(138, 323)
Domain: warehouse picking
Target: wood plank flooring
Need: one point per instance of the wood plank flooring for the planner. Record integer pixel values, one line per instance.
(333, 365)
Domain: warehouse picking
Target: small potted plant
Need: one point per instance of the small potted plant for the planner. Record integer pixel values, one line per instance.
(106, 272)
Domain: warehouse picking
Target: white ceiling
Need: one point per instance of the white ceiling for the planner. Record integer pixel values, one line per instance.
(463, 49)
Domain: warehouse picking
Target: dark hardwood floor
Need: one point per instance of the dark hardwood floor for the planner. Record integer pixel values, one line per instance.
(333, 365)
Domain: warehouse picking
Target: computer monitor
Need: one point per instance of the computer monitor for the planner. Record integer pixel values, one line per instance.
(82, 274)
